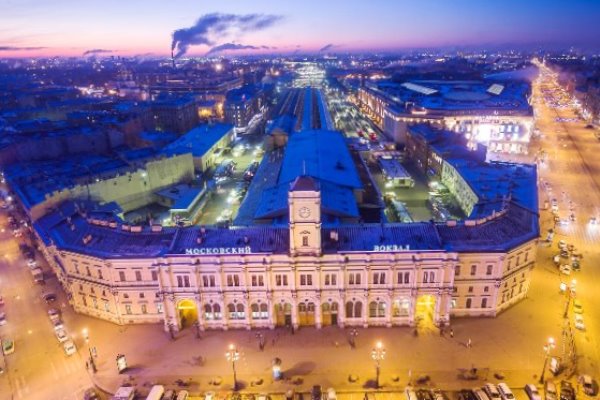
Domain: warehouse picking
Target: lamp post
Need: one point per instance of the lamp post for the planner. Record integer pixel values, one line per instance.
(86, 336)
(377, 354)
(232, 356)
(550, 344)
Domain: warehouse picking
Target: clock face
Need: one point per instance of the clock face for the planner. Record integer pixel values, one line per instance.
(304, 212)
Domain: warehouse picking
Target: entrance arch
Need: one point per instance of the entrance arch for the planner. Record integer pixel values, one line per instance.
(329, 312)
(306, 313)
(187, 312)
(425, 311)
(283, 314)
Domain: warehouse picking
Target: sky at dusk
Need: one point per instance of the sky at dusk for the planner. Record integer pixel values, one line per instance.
(132, 27)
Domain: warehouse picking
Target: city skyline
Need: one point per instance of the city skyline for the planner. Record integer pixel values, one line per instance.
(112, 28)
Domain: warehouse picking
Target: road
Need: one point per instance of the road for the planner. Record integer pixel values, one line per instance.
(39, 368)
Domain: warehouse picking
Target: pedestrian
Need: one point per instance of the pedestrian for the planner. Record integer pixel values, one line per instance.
(451, 332)
(469, 343)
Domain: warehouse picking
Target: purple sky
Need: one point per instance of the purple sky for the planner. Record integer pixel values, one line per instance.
(72, 27)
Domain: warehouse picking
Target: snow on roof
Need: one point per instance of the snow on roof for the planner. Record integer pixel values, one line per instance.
(419, 88)
(495, 89)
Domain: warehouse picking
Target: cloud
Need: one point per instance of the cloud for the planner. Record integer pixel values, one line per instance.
(231, 46)
(210, 27)
(328, 47)
(96, 51)
(19, 48)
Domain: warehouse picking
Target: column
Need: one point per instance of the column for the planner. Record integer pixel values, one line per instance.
(318, 316)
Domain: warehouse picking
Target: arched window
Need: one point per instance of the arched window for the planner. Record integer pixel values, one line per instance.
(217, 311)
(381, 309)
(254, 311)
(358, 309)
(311, 307)
(373, 309)
(334, 307)
(241, 312)
(325, 307)
(208, 312)
(264, 311)
(349, 310)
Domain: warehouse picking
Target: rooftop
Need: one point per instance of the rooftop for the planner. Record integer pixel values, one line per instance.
(199, 140)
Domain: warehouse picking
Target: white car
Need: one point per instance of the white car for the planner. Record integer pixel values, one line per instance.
(2, 319)
(54, 314)
(61, 335)
(69, 347)
(31, 263)
(57, 324)
(505, 392)
(532, 392)
(565, 269)
(579, 324)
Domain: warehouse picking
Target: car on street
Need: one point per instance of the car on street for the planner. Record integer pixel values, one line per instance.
(566, 391)
(54, 314)
(69, 347)
(91, 394)
(564, 254)
(2, 318)
(31, 263)
(8, 346)
(562, 244)
(505, 392)
(532, 392)
(57, 324)
(61, 335)
(589, 385)
(575, 264)
(492, 391)
(466, 394)
(49, 298)
(480, 394)
(579, 324)
(577, 307)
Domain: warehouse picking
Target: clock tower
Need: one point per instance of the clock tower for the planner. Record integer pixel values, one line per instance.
(304, 201)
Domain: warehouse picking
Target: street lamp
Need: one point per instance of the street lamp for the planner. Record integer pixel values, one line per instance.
(569, 292)
(550, 344)
(377, 354)
(86, 336)
(232, 356)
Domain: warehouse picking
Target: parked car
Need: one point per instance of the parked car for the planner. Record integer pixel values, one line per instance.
(565, 269)
(589, 385)
(566, 391)
(579, 324)
(57, 324)
(91, 394)
(532, 392)
(31, 263)
(69, 347)
(2, 318)
(169, 395)
(505, 392)
(61, 335)
(492, 391)
(54, 314)
(577, 307)
(49, 298)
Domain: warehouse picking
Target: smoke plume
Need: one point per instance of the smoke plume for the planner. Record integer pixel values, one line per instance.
(328, 47)
(18, 48)
(96, 51)
(210, 27)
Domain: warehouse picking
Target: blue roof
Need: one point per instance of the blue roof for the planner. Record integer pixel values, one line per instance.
(199, 140)
(321, 154)
(242, 94)
(335, 200)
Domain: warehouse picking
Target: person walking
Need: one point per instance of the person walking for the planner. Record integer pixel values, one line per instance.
(451, 333)
(469, 343)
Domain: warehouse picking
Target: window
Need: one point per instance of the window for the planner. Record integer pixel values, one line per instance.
(122, 276)
(353, 309)
(281, 280)
(80, 287)
(377, 309)
(258, 280)
(489, 269)
(125, 296)
(305, 241)
(484, 302)
(100, 274)
(330, 279)
(138, 275)
(354, 279)
(236, 311)
(127, 308)
(87, 271)
(473, 269)
(425, 277)
(84, 301)
(457, 270)
(518, 260)
(469, 303)
(233, 280)
(259, 311)
(144, 309)
(142, 295)
(106, 306)
(212, 311)
(526, 256)
(470, 289)
(378, 278)
(95, 303)
(305, 279)
(179, 281)
(486, 289)
(406, 277)
(159, 308)
(154, 275)
(186, 281)
(208, 280)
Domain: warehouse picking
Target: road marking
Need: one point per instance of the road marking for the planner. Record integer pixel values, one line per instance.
(24, 384)
(55, 371)
(19, 393)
